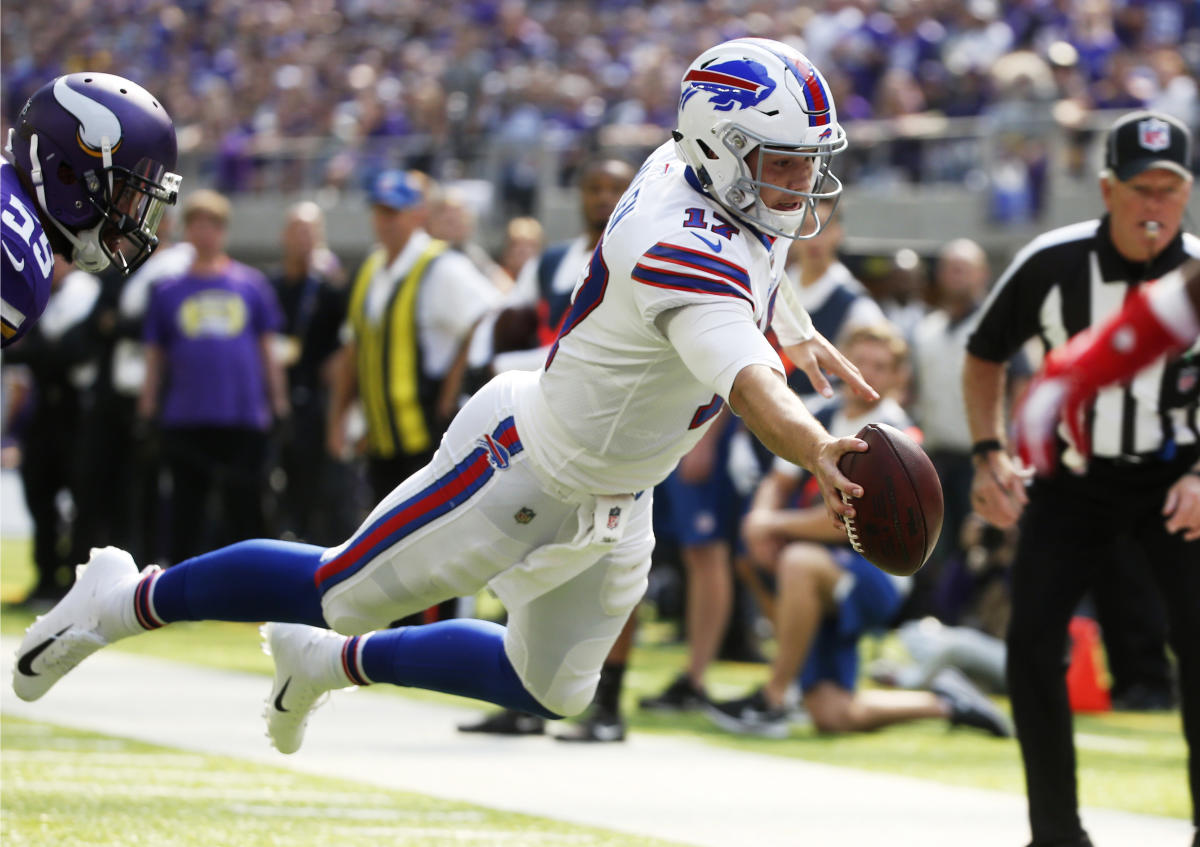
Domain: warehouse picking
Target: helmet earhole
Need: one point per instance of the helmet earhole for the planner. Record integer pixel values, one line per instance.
(65, 174)
(708, 151)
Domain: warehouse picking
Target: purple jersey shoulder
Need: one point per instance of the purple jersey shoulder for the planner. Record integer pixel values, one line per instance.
(27, 262)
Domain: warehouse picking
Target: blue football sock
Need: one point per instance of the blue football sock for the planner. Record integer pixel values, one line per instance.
(259, 580)
(464, 657)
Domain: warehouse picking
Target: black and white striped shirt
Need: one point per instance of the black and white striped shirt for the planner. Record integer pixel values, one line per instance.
(1069, 279)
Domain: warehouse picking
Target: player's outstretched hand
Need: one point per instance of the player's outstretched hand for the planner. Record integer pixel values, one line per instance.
(817, 356)
(832, 481)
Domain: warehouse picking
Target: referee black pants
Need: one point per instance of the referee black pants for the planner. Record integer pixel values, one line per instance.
(1069, 528)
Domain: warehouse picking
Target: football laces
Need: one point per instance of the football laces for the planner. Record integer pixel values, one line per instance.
(851, 530)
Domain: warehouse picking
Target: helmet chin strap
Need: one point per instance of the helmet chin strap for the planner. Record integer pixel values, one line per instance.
(88, 255)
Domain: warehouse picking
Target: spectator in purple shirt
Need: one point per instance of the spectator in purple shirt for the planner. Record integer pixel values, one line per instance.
(212, 384)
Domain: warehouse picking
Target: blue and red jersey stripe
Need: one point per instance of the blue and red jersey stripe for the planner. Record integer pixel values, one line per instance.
(707, 412)
(733, 280)
(588, 297)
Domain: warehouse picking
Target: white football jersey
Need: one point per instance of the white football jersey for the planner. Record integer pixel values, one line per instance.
(616, 406)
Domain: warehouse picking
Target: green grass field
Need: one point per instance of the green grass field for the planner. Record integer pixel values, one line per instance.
(1133, 762)
(76, 789)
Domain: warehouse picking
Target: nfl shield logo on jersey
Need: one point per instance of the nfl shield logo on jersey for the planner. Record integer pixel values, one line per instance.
(1188, 376)
(1154, 134)
(614, 517)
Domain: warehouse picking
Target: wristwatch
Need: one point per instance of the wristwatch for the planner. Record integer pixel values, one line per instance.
(985, 446)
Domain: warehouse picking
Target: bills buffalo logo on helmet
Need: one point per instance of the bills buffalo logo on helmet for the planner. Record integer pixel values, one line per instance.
(735, 84)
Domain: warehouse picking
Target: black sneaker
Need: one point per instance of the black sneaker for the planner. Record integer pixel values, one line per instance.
(679, 696)
(600, 725)
(968, 705)
(507, 722)
(1140, 697)
(749, 715)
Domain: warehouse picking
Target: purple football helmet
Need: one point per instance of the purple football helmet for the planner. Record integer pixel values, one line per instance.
(99, 151)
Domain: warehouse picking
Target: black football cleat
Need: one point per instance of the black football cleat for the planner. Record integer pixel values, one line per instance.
(600, 726)
(680, 696)
(507, 722)
(750, 715)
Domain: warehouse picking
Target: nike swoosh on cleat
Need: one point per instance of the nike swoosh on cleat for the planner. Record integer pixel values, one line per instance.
(25, 664)
(714, 245)
(279, 697)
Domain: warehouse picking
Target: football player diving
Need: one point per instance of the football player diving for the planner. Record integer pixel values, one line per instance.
(541, 488)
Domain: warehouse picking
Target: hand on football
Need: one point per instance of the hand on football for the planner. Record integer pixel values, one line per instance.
(831, 479)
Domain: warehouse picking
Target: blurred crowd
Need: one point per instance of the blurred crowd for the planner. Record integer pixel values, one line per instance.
(275, 94)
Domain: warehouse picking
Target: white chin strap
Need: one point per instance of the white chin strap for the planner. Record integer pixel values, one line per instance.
(88, 255)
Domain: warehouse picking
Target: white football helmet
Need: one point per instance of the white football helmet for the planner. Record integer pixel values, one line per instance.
(755, 93)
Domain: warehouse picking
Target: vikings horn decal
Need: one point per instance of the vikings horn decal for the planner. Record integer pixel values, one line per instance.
(738, 83)
(96, 121)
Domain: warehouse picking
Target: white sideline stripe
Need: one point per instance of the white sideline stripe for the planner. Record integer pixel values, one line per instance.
(669, 787)
(1108, 744)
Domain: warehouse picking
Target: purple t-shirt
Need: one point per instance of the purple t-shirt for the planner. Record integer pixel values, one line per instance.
(27, 261)
(209, 329)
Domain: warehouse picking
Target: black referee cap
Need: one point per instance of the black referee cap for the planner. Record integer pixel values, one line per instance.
(1140, 141)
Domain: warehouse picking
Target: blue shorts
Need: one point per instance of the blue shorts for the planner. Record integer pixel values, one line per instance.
(870, 603)
(700, 512)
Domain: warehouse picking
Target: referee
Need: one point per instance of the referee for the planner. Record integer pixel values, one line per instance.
(1146, 449)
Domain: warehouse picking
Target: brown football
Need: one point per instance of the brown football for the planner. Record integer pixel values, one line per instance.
(899, 517)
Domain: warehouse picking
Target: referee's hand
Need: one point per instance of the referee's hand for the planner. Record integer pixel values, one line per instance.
(1182, 506)
(998, 490)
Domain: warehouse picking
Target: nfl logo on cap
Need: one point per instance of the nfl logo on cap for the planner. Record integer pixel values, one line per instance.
(1141, 141)
(1154, 134)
